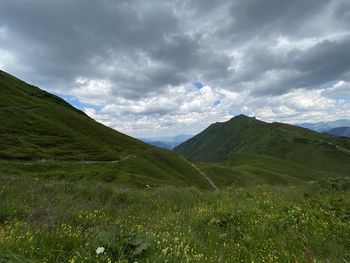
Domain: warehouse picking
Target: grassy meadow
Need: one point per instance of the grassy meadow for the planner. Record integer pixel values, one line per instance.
(54, 220)
(73, 190)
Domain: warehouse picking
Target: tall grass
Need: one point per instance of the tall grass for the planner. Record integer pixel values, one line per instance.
(59, 221)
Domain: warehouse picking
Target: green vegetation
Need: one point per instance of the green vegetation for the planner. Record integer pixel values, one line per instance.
(243, 169)
(59, 221)
(45, 132)
(38, 125)
(154, 168)
(241, 134)
(74, 190)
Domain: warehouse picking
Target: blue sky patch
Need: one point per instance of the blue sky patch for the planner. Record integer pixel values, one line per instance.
(216, 103)
(73, 100)
(234, 113)
(328, 84)
(340, 97)
(198, 85)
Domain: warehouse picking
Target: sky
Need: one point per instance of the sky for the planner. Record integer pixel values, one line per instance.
(160, 68)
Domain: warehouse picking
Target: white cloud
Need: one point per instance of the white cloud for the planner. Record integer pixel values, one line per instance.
(94, 91)
(186, 109)
(90, 112)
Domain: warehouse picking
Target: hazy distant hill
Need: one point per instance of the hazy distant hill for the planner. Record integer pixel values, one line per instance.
(290, 143)
(325, 126)
(340, 131)
(167, 142)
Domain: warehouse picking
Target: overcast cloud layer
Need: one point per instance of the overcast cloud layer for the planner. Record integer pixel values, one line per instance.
(167, 67)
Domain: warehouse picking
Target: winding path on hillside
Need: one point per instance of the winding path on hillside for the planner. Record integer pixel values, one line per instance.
(148, 150)
(336, 146)
(201, 172)
(117, 161)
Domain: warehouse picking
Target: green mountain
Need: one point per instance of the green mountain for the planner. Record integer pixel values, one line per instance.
(54, 137)
(296, 145)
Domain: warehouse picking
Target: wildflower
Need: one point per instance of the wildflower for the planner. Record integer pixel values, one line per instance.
(100, 250)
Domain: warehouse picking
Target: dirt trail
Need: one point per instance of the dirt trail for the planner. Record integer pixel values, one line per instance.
(336, 146)
(90, 162)
(134, 156)
(201, 172)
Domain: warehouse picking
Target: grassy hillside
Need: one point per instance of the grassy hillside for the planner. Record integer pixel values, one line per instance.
(242, 169)
(154, 168)
(282, 141)
(61, 221)
(39, 128)
(38, 125)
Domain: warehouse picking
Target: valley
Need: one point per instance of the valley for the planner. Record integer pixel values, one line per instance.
(75, 190)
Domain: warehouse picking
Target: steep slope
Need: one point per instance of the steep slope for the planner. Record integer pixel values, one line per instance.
(37, 126)
(340, 131)
(290, 143)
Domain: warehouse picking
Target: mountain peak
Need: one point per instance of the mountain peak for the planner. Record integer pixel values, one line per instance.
(242, 117)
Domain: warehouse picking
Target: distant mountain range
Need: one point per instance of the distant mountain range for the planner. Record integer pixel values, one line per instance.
(167, 142)
(340, 131)
(325, 126)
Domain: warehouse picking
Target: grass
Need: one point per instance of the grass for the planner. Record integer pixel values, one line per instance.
(42, 129)
(242, 169)
(37, 125)
(154, 168)
(61, 221)
(57, 205)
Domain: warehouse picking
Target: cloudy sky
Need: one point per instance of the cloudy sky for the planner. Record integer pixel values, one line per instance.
(151, 68)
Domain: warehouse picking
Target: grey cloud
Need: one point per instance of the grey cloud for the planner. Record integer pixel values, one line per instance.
(144, 47)
(66, 39)
(181, 51)
(342, 13)
(259, 18)
(325, 62)
(265, 71)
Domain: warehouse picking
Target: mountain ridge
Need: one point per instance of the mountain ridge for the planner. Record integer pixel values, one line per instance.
(50, 126)
(278, 140)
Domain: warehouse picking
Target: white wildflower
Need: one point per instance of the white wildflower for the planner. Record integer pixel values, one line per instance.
(100, 250)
